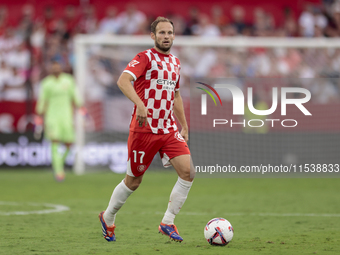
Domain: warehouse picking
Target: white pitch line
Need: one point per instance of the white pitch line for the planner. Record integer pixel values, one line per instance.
(263, 214)
(54, 208)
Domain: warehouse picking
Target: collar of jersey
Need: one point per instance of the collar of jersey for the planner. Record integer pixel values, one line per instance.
(155, 51)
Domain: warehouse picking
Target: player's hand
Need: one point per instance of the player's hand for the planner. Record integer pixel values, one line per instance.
(38, 120)
(38, 126)
(185, 134)
(141, 115)
(83, 111)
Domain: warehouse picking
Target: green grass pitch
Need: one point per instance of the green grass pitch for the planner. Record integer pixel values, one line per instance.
(269, 216)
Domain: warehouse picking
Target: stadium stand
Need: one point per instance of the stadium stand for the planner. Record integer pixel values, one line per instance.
(38, 33)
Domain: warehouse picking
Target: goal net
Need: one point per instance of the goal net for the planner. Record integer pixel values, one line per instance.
(277, 76)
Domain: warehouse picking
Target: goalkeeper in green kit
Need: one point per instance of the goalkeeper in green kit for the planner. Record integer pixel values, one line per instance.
(56, 103)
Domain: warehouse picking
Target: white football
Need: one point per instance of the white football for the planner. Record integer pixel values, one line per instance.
(218, 231)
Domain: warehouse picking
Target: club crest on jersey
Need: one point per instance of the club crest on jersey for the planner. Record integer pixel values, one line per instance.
(179, 137)
(177, 70)
(133, 63)
(141, 168)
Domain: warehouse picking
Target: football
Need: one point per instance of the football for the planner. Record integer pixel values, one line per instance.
(218, 231)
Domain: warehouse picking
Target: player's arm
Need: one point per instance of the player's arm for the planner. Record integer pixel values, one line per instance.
(77, 102)
(40, 109)
(180, 115)
(124, 84)
(42, 100)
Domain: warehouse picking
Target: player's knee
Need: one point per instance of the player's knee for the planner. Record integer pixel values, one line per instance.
(133, 186)
(132, 182)
(186, 174)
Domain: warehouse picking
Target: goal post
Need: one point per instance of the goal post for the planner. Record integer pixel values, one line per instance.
(80, 76)
(113, 50)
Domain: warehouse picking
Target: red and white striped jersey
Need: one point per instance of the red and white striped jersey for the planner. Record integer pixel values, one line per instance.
(156, 78)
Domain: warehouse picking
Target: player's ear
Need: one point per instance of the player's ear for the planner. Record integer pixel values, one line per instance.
(152, 36)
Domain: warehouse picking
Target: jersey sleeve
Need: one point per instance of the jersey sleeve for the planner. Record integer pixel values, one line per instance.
(137, 65)
(178, 71)
(75, 93)
(177, 84)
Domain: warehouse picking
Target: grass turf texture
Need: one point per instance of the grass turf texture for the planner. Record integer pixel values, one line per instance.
(78, 230)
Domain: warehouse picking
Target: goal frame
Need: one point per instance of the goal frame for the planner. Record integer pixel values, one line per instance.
(81, 42)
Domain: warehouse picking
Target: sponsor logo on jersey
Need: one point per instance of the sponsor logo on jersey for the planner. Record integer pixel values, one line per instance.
(179, 137)
(133, 63)
(166, 82)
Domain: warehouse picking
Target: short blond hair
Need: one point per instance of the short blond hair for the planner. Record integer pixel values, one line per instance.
(158, 20)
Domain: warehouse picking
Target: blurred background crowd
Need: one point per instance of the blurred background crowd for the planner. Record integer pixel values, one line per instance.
(31, 36)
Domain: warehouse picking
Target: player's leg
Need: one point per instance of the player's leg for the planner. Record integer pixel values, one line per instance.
(179, 193)
(177, 151)
(119, 196)
(59, 131)
(53, 132)
(57, 161)
(66, 152)
(141, 150)
(67, 136)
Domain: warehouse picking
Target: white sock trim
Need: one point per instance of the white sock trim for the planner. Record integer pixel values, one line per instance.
(126, 187)
(184, 183)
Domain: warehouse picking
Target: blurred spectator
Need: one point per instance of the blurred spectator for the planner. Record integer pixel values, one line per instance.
(132, 20)
(335, 62)
(206, 61)
(61, 30)
(9, 40)
(19, 57)
(49, 19)
(3, 19)
(15, 87)
(318, 32)
(238, 21)
(229, 30)
(290, 26)
(263, 23)
(205, 28)
(323, 91)
(306, 71)
(98, 82)
(334, 29)
(219, 69)
(194, 16)
(320, 19)
(38, 36)
(109, 24)
(179, 23)
(88, 20)
(26, 21)
(306, 22)
(310, 20)
(71, 20)
(53, 50)
(5, 75)
(218, 17)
